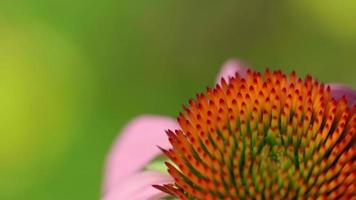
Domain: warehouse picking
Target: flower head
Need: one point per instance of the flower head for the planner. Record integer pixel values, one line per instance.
(253, 135)
(264, 136)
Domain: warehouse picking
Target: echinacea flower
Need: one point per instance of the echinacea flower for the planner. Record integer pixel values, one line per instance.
(253, 136)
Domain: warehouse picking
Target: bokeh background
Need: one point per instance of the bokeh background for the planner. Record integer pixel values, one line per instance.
(72, 73)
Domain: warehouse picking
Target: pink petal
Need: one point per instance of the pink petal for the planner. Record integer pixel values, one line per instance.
(229, 68)
(339, 90)
(136, 146)
(139, 186)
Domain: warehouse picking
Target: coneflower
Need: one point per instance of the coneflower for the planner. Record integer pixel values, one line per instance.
(252, 136)
(265, 136)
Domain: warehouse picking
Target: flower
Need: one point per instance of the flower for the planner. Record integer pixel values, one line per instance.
(255, 135)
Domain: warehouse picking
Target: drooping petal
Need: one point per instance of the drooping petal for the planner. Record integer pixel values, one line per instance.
(135, 147)
(138, 187)
(230, 67)
(339, 90)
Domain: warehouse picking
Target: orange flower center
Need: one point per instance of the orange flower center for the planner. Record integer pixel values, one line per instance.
(268, 136)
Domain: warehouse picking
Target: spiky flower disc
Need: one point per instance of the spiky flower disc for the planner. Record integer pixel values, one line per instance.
(264, 137)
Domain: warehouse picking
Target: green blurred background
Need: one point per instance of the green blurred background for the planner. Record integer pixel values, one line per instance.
(72, 73)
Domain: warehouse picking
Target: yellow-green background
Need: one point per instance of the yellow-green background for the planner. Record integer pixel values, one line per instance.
(73, 72)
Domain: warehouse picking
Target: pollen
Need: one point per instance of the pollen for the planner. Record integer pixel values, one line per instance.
(265, 136)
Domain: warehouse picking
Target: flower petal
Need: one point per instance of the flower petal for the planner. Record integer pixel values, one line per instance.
(339, 90)
(136, 146)
(230, 67)
(139, 186)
